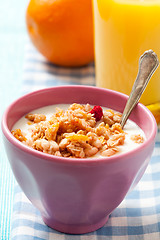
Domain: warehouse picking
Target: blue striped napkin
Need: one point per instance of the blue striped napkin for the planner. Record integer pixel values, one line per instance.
(136, 218)
(38, 73)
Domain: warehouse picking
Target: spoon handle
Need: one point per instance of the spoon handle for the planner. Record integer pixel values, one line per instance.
(148, 63)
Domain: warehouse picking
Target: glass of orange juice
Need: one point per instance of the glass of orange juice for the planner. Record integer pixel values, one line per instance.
(124, 30)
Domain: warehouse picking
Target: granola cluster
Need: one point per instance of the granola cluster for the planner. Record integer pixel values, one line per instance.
(75, 132)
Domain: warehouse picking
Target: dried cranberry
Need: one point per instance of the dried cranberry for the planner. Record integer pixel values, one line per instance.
(97, 112)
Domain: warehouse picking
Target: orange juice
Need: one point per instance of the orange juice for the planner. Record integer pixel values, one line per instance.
(124, 30)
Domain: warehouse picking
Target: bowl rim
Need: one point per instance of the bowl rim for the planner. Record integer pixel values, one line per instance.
(48, 157)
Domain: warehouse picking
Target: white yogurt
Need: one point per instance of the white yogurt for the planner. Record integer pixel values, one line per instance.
(131, 128)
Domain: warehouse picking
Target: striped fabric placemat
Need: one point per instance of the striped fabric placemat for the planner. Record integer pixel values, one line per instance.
(137, 217)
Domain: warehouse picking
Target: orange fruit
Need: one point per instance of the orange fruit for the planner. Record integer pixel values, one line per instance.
(62, 30)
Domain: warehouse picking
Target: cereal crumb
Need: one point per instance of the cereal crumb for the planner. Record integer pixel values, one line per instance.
(109, 152)
(137, 138)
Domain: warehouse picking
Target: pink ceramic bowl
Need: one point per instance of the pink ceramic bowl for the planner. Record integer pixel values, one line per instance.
(76, 195)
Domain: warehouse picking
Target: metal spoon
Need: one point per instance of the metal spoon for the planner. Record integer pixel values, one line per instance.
(148, 63)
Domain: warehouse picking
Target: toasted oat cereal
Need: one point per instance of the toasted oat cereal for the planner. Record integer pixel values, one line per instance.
(35, 117)
(76, 131)
(19, 135)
